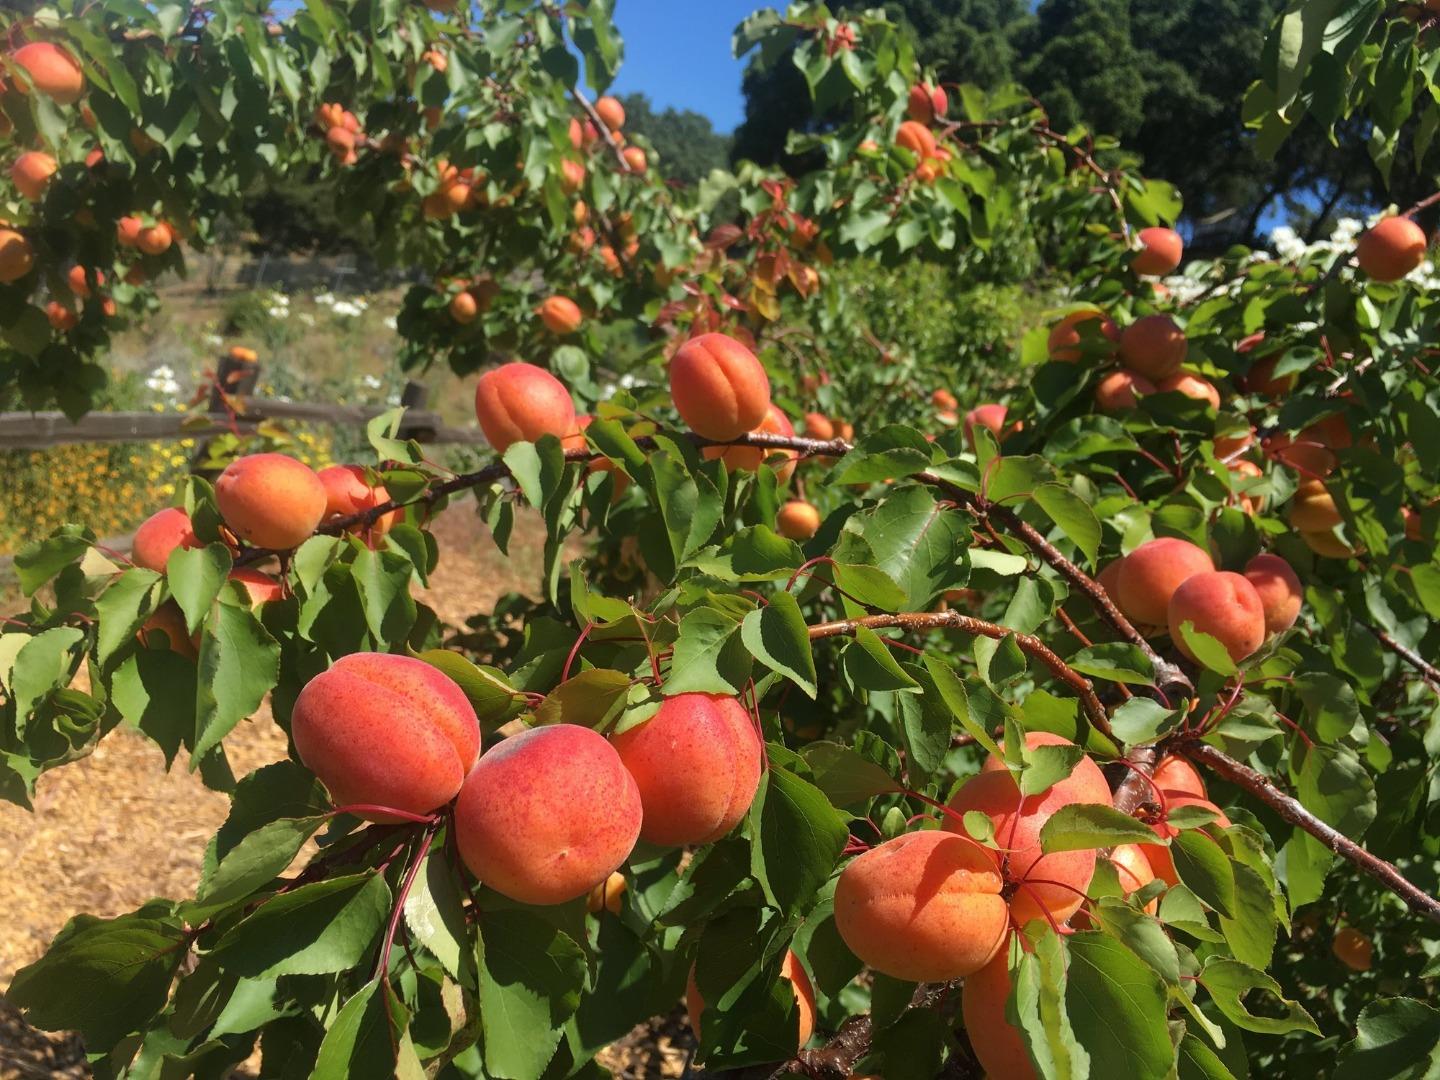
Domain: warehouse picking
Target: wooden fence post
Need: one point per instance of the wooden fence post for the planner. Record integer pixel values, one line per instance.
(413, 397)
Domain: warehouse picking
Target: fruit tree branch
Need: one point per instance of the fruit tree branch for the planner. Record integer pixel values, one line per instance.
(1430, 672)
(601, 127)
(1290, 810)
(953, 620)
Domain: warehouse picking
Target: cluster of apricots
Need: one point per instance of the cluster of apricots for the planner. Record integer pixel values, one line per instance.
(1166, 583)
(926, 106)
(990, 416)
(342, 132)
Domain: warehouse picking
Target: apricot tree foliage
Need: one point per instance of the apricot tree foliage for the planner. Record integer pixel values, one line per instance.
(1087, 721)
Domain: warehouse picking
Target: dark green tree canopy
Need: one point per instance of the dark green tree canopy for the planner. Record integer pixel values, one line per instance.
(688, 144)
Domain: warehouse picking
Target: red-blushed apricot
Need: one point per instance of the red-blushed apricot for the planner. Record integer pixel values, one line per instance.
(926, 103)
(1064, 343)
(1192, 386)
(160, 534)
(1414, 523)
(1052, 883)
(260, 587)
(572, 176)
(986, 416)
(1279, 589)
(169, 620)
(1227, 446)
(519, 402)
(383, 730)
(1154, 347)
(749, 458)
(925, 907)
(560, 314)
(1261, 379)
(1174, 774)
(943, 399)
(1326, 544)
(1353, 949)
(997, 1042)
(845, 430)
(916, 138)
(1332, 431)
(719, 387)
(1309, 459)
(1158, 855)
(636, 159)
(1313, 509)
(548, 814)
(1151, 574)
(1116, 391)
(79, 282)
(1246, 470)
(1222, 604)
(464, 308)
(31, 173)
(1109, 577)
(792, 971)
(1160, 251)
(127, 231)
(1134, 871)
(797, 520)
(54, 72)
(348, 492)
(155, 240)
(609, 895)
(1391, 248)
(697, 765)
(819, 426)
(611, 112)
(270, 500)
(16, 255)
(61, 317)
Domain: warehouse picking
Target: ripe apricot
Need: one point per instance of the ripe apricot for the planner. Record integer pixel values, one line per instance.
(636, 159)
(1154, 347)
(925, 103)
(1243, 470)
(16, 255)
(1158, 855)
(748, 458)
(159, 535)
(611, 112)
(1227, 446)
(1261, 379)
(1332, 431)
(943, 399)
(464, 308)
(1327, 544)
(386, 730)
(1174, 774)
(61, 317)
(1160, 251)
(560, 314)
(347, 492)
(1151, 574)
(1192, 386)
(76, 278)
(271, 500)
(916, 138)
(519, 402)
(548, 814)
(1222, 604)
(1116, 391)
(260, 587)
(169, 620)
(1310, 460)
(1108, 578)
(1313, 509)
(1353, 949)
(986, 416)
(52, 70)
(608, 895)
(572, 176)
(155, 240)
(127, 231)
(792, 971)
(1134, 871)
(797, 520)
(719, 387)
(819, 426)
(925, 906)
(1064, 343)
(1391, 248)
(996, 1042)
(697, 765)
(1279, 590)
(31, 173)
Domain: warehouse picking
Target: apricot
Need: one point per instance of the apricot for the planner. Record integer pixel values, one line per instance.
(1391, 248)
(1151, 574)
(1160, 251)
(943, 399)
(1227, 446)
(1279, 590)
(1222, 604)
(16, 255)
(385, 730)
(719, 387)
(1306, 458)
(797, 520)
(1158, 855)
(1116, 391)
(1261, 379)
(347, 492)
(1327, 544)
(636, 159)
(1332, 431)
(572, 176)
(925, 103)
(548, 814)
(916, 138)
(31, 173)
(1174, 774)
(271, 500)
(79, 284)
(260, 587)
(1414, 524)
(608, 895)
(1313, 509)
(159, 535)
(819, 426)
(925, 907)
(464, 308)
(1192, 386)
(1251, 504)
(1154, 347)
(1353, 949)
(748, 458)
(997, 1042)
(986, 416)
(697, 765)
(1134, 871)
(155, 240)
(169, 620)
(611, 112)
(792, 971)
(1064, 343)
(1108, 578)
(52, 70)
(560, 314)
(341, 143)
(127, 231)
(519, 402)
(60, 317)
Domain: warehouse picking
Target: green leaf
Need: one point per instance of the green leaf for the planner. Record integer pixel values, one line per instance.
(239, 663)
(1395, 1039)
(1142, 721)
(362, 1039)
(1117, 1007)
(195, 577)
(40, 560)
(1072, 515)
(844, 775)
(916, 542)
(41, 667)
(925, 723)
(129, 600)
(531, 978)
(1038, 1003)
(870, 665)
(891, 452)
(1197, 1061)
(1205, 869)
(592, 699)
(154, 690)
(778, 637)
(1207, 650)
(1250, 933)
(1228, 981)
(1116, 662)
(709, 656)
(952, 691)
(383, 581)
(1142, 934)
(1081, 826)
(800, 838)
(494, 699)
(256, 860)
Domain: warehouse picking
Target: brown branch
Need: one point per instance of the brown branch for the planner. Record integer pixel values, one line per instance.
(1290, 810)
(601, 128)
(953, 620)
(836, 1060)
(1429, 671)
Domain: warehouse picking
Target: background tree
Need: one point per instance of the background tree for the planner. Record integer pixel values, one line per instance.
(688, 144)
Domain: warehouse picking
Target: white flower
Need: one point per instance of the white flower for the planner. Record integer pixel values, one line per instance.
(627, 381)
(325, 299)
(347, 309)
(214, 340)
(278, 312)
(162, 381)
(371, 382)
(390, 323)
(306, 318)
(1346, 230)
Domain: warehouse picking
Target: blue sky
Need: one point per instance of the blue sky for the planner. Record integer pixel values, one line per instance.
(678, 52)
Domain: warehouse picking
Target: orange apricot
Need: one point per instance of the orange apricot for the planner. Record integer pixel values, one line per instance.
(1313, 509)
(819, 426)
(986, 416)
(943, 399)
(548, 814)
(797, 520)
(519, 402)
(1227, 446)
(155, 240)
(1327, 544)
(609, 895)
(1174, 774)
(1064, 343)
(1134, 871)
(1222, 604)
(560, 314)
(79, 284)
(348, 492)
(1353, 949)
(572, 176)
(1160, 251)
(16, 255)
(1109, 577)
(1154, 347)
(916, 138)
(996, 1042)
(1261, 379)
(1158, 855)
(159, 535)
(261, 588)
(1391, 248)
(464, 308)
(1116, 391)
(31, 173)
(1279, 590)
(636, 159)
(61, 317)
(1152, 572)
(52, 70)
(1192, 386)
(926, 103)
(719, 387)
(748, 458)
(792, 971)
(271, 500)
(611, 112)
(127, 231)
(169, 620)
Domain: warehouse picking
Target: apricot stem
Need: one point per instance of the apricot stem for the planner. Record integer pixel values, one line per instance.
(370, 808)
(382, 964)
